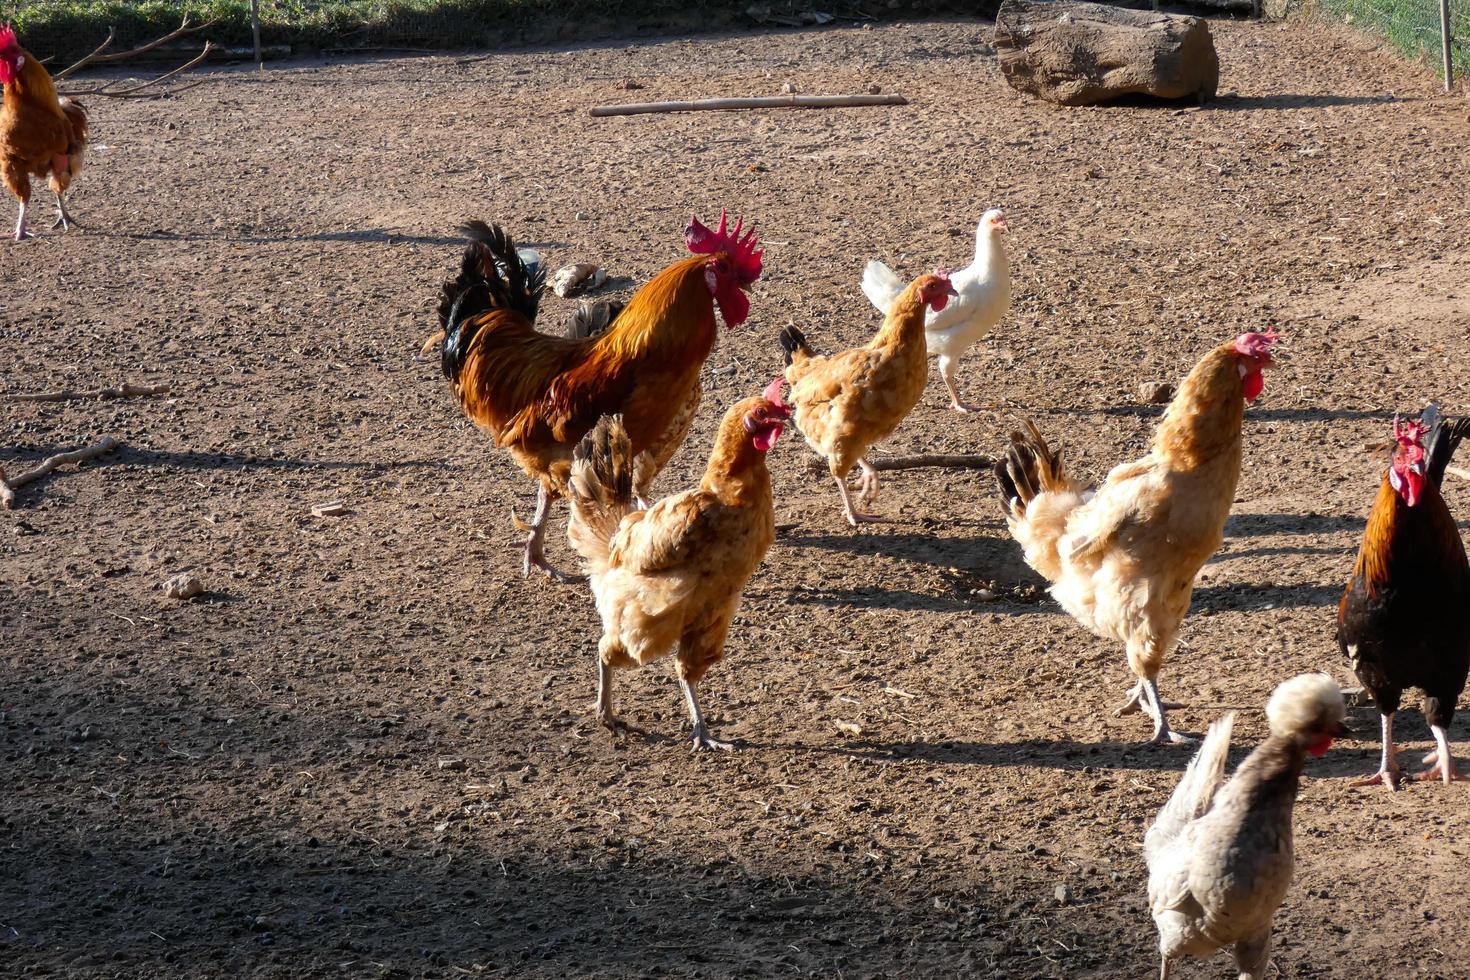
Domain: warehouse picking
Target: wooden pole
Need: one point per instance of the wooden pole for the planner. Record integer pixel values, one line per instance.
(764, 102)
(1444, 42)
(255, 29)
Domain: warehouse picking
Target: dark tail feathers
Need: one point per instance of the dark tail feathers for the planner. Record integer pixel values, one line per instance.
(792, 342)
(1028, 468)
(1444, 439)
(492, 276)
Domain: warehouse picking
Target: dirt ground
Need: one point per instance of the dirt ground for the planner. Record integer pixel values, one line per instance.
(367, 750)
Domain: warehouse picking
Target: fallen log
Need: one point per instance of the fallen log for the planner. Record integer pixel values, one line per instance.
(761, 102)
(1074, 53)
(8, 485)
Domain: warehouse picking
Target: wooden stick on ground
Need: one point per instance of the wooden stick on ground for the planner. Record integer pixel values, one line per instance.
(8, 485)
(952, 461)
(126, 391)
(763, 102)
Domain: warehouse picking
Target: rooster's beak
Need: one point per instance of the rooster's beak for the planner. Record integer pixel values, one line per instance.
(1342, 730)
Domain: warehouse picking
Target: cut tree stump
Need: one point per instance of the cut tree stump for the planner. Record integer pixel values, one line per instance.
(1084, 53)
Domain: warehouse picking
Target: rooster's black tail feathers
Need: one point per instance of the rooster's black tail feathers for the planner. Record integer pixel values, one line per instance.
(1444, 438)
(493, 275)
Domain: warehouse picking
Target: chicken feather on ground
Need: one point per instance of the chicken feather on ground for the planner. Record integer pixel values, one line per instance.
(668, 579)
(982, 298)
(1404, 618)
(1220, 855)
(41, 135)
(845, 403)
(1122, 561)
(538, 395)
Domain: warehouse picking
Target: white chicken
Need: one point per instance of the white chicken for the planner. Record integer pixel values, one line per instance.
(1220, 858)
(984, 296)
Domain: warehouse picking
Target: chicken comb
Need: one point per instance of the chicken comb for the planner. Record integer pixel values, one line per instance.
(743, 250)
(7, 36)
(772, 393)
(1257, 343)
(1410, 435)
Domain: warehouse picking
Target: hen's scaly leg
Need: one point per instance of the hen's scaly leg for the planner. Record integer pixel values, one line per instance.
(1388, 772)
(605, 716)
(946, 372)
(1164, 966)
(20, 223)
(64, 221)
(868, 483)
(1157, 710)
(1136, 703)
(535, 547)
(702, 739)
(1442, 763)
(854, 517)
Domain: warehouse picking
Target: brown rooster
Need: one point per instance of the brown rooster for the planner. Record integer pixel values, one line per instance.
(847, 402)
(1404, 619)
(594, 318)
(1122, 561)
(670, 577)
(538, 395)
(40, 134)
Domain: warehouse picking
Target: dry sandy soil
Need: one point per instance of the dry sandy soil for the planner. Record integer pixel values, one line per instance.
(367, 750)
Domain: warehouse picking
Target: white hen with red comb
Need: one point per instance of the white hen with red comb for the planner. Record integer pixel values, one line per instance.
(984, 297)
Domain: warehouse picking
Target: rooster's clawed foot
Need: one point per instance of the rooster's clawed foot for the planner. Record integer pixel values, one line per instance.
(1390, 777)
(1444, 770)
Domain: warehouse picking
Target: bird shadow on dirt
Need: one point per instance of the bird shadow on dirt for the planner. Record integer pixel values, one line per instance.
(349, 907)
(1232, 102)
(366, 236)
(1034, 753)
(235, 461)
(1248, 525)
(1254, 596)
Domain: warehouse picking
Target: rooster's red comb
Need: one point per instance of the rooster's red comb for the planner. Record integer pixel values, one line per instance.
(743, 250)
(7, 36)
(1410, 434)
(1257, 343)
(772, 393)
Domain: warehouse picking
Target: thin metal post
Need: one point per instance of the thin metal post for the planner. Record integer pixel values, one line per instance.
(255, 28)
(1444, 41)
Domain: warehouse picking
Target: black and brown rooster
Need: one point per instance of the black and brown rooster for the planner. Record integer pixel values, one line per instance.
(1404, 620)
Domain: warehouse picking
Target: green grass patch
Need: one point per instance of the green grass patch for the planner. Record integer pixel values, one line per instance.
(1411, 26)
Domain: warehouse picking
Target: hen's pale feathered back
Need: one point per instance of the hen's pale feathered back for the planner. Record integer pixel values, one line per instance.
(1220, 854)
